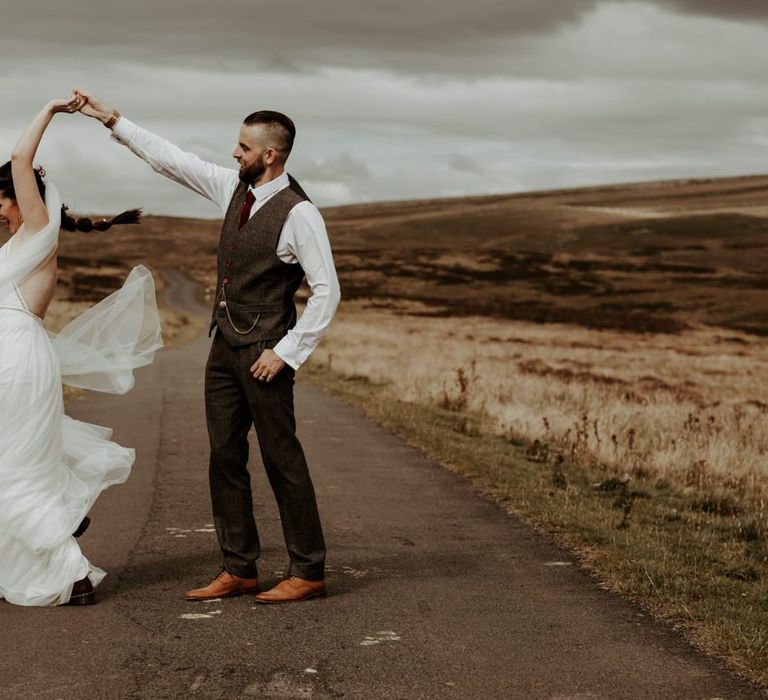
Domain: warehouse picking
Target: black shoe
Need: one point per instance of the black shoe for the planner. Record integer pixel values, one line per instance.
(82, 593)
(82, 527)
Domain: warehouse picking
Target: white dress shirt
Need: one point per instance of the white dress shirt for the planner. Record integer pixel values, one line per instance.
(303, 239)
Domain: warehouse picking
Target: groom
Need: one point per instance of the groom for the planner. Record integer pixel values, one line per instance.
(271, 238)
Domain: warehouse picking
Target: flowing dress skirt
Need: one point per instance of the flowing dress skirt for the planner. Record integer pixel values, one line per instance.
(52, 468)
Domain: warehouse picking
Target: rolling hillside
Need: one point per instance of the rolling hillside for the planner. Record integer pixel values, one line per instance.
(645, 257)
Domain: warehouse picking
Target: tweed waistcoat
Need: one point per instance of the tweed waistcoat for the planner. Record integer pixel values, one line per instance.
(254, 288)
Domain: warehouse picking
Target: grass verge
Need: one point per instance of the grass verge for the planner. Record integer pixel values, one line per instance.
(697, 562)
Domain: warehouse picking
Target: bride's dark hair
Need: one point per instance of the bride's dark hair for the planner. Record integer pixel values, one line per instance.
(68, 222)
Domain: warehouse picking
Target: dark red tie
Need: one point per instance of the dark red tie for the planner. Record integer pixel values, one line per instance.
(245, 212)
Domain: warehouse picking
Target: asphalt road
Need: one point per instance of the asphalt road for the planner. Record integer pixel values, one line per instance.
(434, 591)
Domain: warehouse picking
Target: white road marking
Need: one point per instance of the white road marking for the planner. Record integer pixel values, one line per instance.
(557, 563)
(310, 670)
(382, 636)
(280, 685)
(200, 616)
(183, 532)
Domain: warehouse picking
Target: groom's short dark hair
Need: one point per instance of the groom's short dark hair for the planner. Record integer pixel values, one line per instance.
(281, 128)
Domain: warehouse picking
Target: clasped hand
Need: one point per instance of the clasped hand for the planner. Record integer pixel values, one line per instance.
(80, 101)
(70, 106)
(84, 102)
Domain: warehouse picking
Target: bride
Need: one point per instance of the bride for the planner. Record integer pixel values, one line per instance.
(52, 467)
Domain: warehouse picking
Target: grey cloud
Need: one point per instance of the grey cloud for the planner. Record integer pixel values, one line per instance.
(462, 163)
(319, 168)
(416, 99)
(727, 9)
(404, 35)
(431, 40)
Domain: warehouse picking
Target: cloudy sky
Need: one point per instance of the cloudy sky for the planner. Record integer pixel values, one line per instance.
(399, 98)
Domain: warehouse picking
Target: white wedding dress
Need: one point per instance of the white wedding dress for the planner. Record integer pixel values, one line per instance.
(52, 468)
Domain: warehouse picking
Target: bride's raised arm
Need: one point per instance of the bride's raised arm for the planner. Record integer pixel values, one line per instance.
(31, 205)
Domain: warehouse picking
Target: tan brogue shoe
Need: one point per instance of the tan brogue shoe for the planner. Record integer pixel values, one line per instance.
(292, 590)
(225, 585)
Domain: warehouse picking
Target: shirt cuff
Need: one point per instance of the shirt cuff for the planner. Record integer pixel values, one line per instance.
(287, 351)
(123, 131)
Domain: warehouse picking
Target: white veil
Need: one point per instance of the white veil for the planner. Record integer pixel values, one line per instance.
(99, 349)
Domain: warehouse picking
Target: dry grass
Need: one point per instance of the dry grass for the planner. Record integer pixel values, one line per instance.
(686, 409)
(699, 566)
(644, 454)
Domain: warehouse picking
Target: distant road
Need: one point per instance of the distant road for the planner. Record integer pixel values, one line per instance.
(435, 591)
(622, 211)
(182, 295)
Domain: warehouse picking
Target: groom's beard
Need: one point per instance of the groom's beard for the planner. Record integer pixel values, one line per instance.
(253, 172)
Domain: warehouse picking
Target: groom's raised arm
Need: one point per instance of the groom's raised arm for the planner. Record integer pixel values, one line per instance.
(212, 181)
